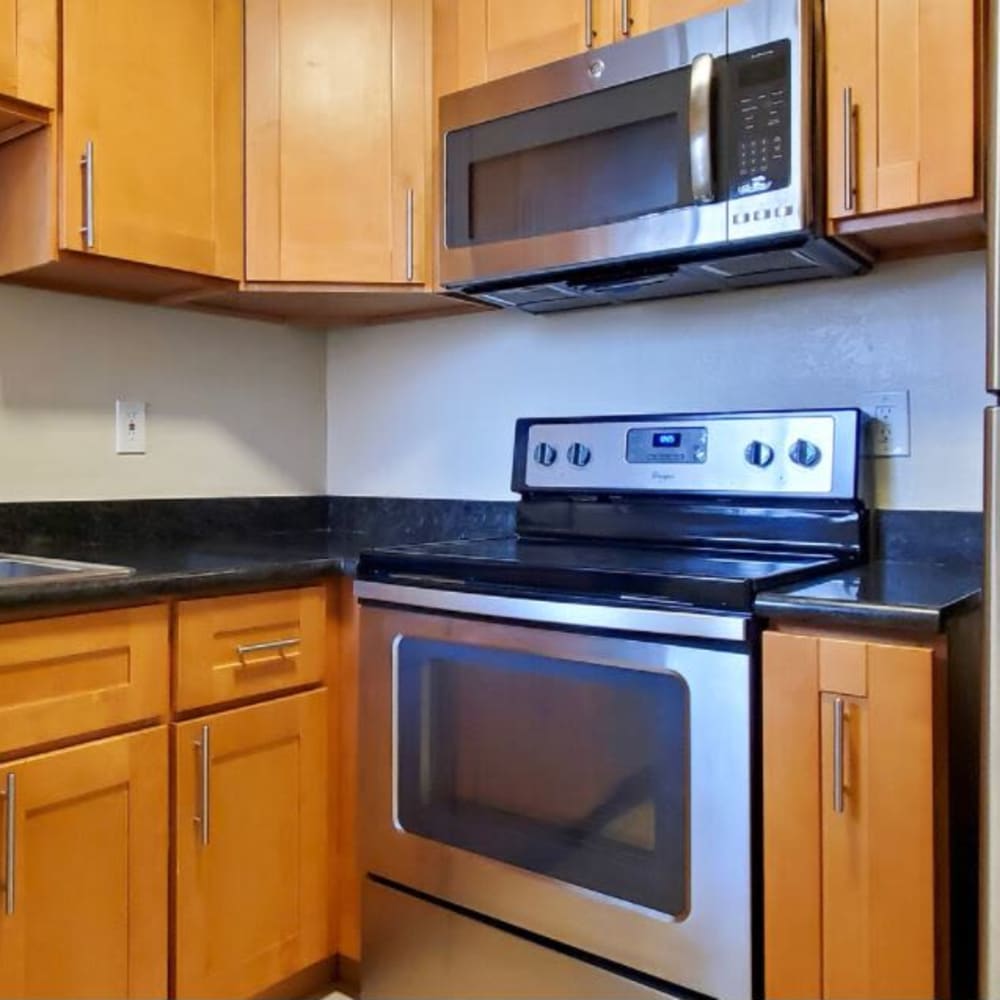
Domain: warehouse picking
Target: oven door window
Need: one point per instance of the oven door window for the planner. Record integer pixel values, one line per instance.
(575, 771)
(606, 157)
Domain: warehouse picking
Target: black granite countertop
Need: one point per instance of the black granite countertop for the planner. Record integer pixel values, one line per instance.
(186, 567)
(189, 547)
(892, 594)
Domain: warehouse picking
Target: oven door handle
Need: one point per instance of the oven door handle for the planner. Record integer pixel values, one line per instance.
(700, 128)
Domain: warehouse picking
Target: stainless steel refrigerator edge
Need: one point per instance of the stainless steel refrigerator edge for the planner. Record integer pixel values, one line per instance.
(990, 978)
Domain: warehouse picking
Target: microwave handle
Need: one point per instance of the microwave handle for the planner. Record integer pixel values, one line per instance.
(700, 127)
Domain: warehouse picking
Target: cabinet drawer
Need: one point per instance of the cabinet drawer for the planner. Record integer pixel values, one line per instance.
(65, 677)
(229, 648)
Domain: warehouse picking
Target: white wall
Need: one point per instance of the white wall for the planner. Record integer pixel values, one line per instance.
(235, 408)
(427, 409)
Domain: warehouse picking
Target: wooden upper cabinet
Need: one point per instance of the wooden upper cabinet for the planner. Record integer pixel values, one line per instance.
(635, 17)
(855, 822)
(337, 141)
(152, 132)
(251, 847)
(85, 911)
(29, 51)
(902, 110)
(482, 40)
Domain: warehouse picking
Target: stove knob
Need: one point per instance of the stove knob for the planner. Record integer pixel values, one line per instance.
(805, 453)
(545, 454)
(759, 454)
(578, 455)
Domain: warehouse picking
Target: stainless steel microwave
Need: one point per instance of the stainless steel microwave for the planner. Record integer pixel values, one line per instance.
(685, 160)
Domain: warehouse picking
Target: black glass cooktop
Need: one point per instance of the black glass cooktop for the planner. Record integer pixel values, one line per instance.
(693, 577)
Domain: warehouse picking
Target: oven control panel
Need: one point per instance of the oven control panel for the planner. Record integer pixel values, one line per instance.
(810, 453)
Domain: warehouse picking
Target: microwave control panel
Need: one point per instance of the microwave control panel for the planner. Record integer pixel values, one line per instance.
(761, 119)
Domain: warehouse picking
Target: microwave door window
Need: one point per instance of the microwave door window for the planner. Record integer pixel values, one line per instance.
(574, 771)
(595, 160)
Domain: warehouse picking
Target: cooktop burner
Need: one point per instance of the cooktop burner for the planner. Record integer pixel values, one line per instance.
(690, 577)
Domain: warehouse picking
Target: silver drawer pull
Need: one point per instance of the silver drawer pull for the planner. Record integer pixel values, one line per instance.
(10, 854)
(87, 167)
(278, 645)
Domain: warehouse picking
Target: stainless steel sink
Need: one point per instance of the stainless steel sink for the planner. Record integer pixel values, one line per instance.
(15, 569)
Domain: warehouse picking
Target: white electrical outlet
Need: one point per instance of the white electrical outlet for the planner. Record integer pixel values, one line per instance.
(130, 428)
(888, 430)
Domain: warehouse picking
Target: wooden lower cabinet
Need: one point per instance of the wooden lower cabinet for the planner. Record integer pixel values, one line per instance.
(251, 846)
(84, 908)
(855, 827)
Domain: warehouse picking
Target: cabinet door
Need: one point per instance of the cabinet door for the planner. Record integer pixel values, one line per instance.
(635, 17)
(29, 51)
(337, 134)
(855, 882)
(250, 817)
(481, 40)
(878, 842)
(901, 80)
(86, 900)
(156, 90)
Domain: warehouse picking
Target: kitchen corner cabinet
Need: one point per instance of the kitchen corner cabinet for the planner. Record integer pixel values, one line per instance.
(85, 902)
(855, 839)
(903, 119)
(338, 142)
(250, 815)
(135, 189)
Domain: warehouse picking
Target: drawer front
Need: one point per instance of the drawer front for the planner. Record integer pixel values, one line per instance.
(228, 648)
(81, 674)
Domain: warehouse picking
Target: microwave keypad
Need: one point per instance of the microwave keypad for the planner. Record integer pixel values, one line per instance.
(761, 119)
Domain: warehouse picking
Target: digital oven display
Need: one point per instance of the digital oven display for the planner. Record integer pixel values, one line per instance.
(667, 439)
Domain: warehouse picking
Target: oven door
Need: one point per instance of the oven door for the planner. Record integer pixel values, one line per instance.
(592, 789)
(605, 155)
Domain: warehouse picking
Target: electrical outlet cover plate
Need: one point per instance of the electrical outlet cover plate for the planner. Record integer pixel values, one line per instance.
(130, 427)
(887, 432)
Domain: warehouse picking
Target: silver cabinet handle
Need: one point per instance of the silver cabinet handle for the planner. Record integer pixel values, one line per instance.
(850, 156)
(267, 647)
(87, 168)
(838, 755)
(410, 263)
(10, 852)
(700, 123)
(588, 23)
(626, 12)
(203, 819)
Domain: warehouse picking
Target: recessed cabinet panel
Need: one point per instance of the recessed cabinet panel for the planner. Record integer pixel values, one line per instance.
(152, 132)
(70, 676)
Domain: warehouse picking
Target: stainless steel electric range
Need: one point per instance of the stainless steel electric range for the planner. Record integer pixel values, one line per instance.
(560, 761)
